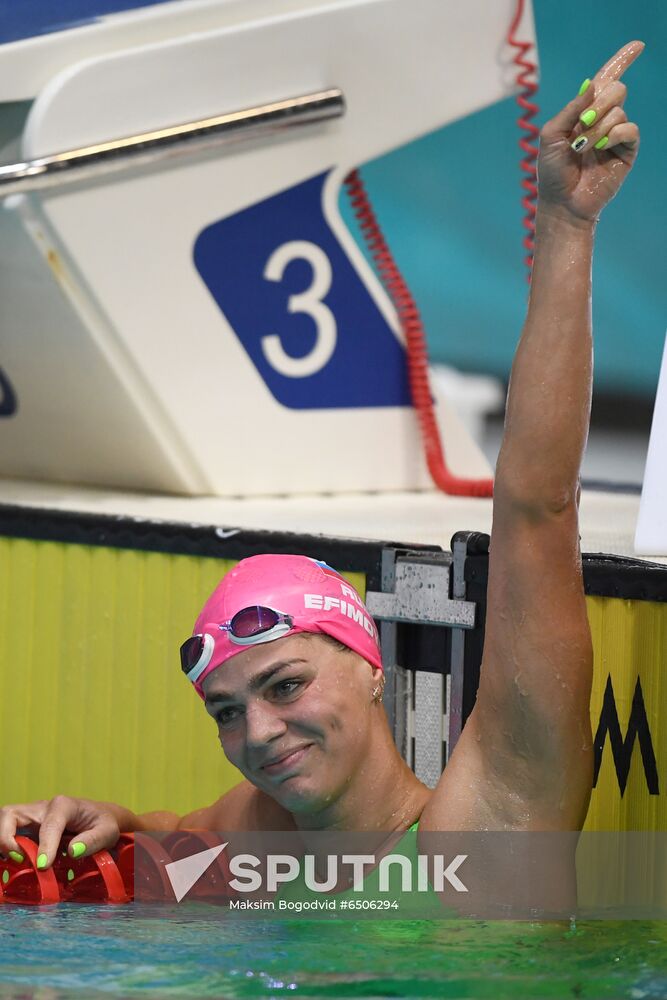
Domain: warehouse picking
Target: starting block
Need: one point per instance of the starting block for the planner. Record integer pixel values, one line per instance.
(185, 309)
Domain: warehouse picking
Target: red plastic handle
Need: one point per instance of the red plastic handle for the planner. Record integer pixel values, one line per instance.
(97, 878)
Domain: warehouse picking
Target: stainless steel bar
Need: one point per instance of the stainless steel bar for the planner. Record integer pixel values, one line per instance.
(161, 144)
(457, 654)
(429, 706)
(388, 642)
(420, 595)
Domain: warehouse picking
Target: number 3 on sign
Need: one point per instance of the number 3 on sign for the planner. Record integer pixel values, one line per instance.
(318, 349)
(309, 302)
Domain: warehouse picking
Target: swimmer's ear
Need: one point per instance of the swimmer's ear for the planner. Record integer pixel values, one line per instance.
(378, 684)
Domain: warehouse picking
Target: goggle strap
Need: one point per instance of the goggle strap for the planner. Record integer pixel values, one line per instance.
(204, 660)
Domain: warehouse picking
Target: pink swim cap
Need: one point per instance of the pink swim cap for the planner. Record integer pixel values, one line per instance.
(316, 598)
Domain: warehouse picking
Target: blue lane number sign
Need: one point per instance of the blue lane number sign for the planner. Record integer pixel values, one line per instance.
(298, 306)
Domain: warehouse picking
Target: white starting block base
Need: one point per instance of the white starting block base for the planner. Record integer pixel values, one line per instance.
(608, 520)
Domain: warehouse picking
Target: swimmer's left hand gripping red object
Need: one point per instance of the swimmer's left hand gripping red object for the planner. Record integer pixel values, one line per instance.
(99, 878)
(109, 876)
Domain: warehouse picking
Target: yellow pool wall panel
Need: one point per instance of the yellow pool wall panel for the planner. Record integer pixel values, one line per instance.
(93, 703)
(630, 686)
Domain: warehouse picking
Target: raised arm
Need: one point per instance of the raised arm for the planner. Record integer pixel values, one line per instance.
(524, 759)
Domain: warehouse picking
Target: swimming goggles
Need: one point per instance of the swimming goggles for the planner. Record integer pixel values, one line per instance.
(248, 627)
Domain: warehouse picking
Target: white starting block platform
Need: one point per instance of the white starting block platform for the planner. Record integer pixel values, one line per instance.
(184, 310)
(608, 518)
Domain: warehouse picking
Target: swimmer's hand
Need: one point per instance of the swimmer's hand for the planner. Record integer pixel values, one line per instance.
(575, 177)
(96, 825)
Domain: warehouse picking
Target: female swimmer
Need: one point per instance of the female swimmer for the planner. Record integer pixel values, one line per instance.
(286, 655)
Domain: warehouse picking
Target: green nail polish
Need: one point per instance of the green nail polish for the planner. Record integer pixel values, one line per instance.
(601, 143)
(588, 117)
(70, 875)
(41, 861)
(76, 850)
(5, 877)
(584, 87)
(15, 856)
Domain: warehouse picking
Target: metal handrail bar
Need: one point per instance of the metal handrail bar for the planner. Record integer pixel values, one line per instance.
(150, 147)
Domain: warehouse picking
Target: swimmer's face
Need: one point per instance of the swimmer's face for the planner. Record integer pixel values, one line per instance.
(294, 715)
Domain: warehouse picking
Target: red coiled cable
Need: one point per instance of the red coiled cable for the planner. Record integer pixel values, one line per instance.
(404, 303)
(413, 330)
(526, 81)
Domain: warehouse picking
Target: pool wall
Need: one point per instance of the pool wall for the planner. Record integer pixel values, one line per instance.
(93, 703)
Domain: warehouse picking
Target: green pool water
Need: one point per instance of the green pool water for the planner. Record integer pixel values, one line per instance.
(88, 951)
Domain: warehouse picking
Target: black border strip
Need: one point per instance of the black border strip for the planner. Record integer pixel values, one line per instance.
(605, 575)
(179, 538)
(625, 578)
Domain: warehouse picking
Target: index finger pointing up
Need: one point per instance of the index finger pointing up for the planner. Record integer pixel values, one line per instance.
(617, 65)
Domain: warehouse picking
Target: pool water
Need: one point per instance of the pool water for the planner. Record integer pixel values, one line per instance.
(88, 951)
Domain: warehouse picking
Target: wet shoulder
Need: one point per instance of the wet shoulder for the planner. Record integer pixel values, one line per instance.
(245, 807)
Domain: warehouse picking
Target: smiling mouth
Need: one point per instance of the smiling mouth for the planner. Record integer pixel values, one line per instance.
(286, 762)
